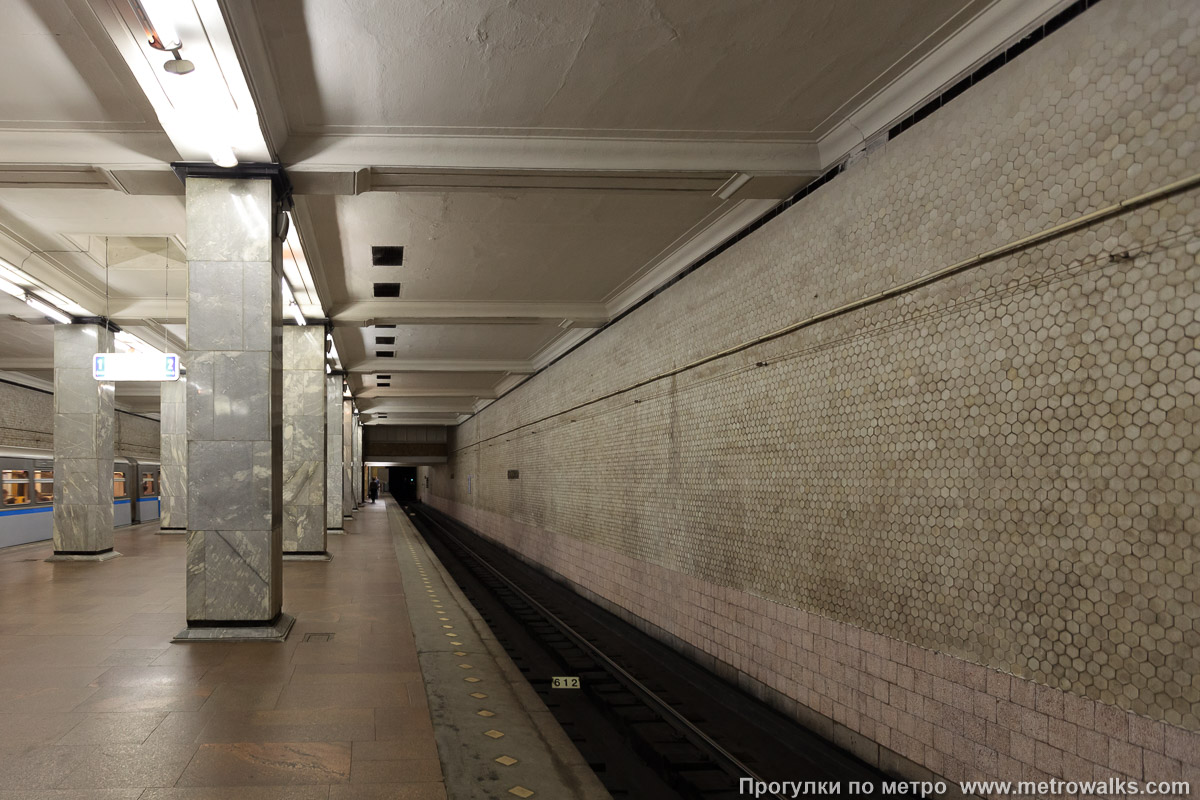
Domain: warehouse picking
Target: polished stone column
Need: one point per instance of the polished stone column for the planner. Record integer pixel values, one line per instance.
(83, 447)
(172, 488)
(304, 443)
(358, 461)
(234, 412)
(349, 503)
(333, 454)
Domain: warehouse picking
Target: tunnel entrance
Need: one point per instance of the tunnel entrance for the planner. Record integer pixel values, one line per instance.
(403, 483)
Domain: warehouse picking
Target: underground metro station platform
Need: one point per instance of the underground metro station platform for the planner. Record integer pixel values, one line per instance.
(626, 399)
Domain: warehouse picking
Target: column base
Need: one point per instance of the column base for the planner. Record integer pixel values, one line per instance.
(235, 631)
(336, 531)
(71, 555)
(324, 556)
(171, 531)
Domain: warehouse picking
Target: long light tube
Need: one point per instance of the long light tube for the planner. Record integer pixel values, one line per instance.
(47, 309)
(158, 23)
(11, 288)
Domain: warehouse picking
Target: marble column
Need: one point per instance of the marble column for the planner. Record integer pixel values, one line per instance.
(234, 407)
(348, 502)
(358, 461)
(304, 443)
(172, 489)
(83, 446)
(333, 454)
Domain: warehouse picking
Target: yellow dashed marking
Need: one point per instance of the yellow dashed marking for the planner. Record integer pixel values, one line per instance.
(459, 653)
(478, 695)
(456, 644)
(507, 761)
(493, 733)
(472, 680)
(464, 666)
(447, 626)
(520, 791)
(486, 713)
(452, 634)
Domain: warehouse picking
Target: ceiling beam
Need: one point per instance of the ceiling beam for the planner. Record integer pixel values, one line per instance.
(439, 365)
(561, 153)
(373, 392)
(350, 181)
(399, 419)
(20, 364)
(374, 406)
(363, 313)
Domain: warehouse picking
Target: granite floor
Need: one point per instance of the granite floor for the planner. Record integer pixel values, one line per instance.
(96, 703)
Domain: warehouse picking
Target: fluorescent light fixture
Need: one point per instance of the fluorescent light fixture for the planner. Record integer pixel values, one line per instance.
(731, 186)
(223, 156)
(11, 288)
(158, 23)
(135, 344)
(50, 311)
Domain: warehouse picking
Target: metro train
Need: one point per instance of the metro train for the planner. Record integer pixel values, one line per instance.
(28, 494)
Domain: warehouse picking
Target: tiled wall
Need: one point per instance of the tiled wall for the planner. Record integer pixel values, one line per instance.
(26, 417)
(966, 515)
(137, 436)
(27, 420)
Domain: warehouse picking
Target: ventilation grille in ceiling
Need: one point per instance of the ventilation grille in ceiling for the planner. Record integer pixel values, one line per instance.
(381, 327)
(385, 340)
(383, 377)
(385, 353)
(387, 256)
(387, 290)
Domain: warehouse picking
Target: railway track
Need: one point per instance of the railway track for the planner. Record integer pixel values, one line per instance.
(651, 723)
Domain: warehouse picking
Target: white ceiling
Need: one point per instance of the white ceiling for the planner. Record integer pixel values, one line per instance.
(544, 164)
(774, 69)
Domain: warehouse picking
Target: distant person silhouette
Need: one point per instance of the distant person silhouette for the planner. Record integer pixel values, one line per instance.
(373, 491)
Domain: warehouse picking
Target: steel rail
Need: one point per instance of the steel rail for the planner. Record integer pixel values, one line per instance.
(647, 694)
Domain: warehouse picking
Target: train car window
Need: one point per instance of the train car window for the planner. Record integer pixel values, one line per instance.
(148, 484)
(119, 489)
(16, 486)
(43, 485)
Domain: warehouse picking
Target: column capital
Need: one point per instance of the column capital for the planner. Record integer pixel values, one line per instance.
(247, 171)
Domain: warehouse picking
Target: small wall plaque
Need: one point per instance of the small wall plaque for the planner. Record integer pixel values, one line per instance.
(513, 474)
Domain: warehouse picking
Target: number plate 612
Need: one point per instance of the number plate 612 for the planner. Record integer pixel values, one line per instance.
(564, 683)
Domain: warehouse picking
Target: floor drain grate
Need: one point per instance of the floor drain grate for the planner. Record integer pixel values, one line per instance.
(318, 637)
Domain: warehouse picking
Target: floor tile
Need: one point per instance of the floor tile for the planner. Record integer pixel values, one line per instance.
(251, 764)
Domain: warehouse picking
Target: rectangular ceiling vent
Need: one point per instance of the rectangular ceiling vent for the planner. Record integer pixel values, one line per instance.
(387, 256)
(383, 377)
(387, 290)
(385, 340)
(385, 353)
(384, 385)
(381, 327)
